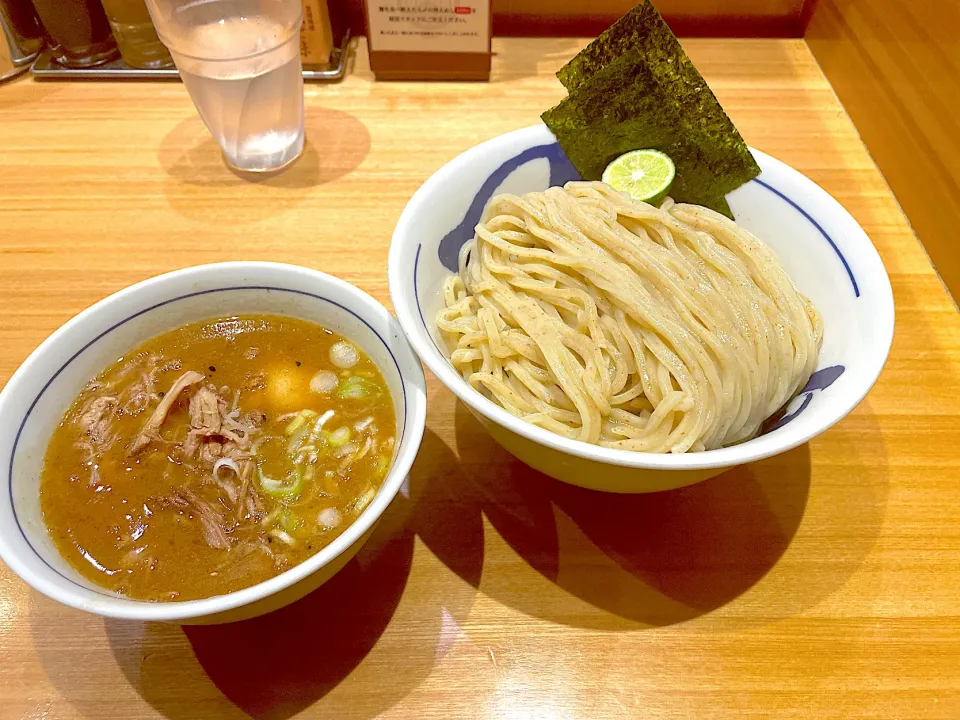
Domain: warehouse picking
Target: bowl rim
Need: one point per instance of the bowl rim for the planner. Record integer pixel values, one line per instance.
(349, 298)
(402, 246)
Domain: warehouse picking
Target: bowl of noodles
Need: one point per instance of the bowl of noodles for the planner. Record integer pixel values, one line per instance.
(626, 347)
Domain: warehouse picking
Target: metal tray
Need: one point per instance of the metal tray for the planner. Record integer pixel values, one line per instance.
(45, 67)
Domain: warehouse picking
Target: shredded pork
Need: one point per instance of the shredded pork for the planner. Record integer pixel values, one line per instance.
(151, 429)
(229, 508)
(96, 418)
(210, 518)
(205, 421)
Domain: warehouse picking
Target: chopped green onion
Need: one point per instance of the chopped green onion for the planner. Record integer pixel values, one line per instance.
(279, 488)
(381, 465)
(365, 499)
(296, 424)
(283, 536)
(321, 421)
(299, 420)
(339, 436)
(295, 443)
(357, 388)
(289, 521)
(324, 382)
(344, 355)
(321, 440)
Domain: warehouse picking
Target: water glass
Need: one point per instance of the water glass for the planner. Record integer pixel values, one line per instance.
(240, 62)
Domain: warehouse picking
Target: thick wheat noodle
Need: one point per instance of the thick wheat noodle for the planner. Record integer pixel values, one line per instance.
(610, 321)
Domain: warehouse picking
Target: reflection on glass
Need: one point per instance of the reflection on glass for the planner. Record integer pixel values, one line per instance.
(135, 34)
(78, 30)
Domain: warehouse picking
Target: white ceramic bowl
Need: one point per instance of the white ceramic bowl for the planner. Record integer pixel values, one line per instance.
(827, 254)
(38, 394)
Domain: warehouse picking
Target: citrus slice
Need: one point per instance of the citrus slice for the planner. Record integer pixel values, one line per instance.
(643, 174)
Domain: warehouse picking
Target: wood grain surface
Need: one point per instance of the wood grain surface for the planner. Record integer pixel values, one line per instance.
(819, 584)
(896, 66)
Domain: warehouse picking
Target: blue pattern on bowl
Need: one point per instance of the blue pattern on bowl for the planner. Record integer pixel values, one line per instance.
(561, 172)
(820, 380)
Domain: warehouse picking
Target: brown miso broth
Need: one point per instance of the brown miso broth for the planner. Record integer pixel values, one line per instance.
(216, 456)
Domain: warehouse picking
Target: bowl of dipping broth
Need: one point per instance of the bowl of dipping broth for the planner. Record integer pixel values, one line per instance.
(207, 445)
(541, 259)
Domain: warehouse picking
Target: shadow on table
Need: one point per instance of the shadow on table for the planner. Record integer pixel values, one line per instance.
(274, 666)
(655, 559)
(618, 563)
(336, 143)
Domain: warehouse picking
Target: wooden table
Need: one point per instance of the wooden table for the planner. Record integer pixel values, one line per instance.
(821, 584)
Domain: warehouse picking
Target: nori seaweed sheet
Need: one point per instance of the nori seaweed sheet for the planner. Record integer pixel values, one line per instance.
(632, 31)
(634, 87)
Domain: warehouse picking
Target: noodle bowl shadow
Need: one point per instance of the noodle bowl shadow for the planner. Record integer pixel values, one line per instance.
(822, 248)
(656, 559)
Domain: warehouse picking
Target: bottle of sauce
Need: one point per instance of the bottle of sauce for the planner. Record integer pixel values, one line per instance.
(316, 35)
(135, 34)
(21, 37)
(78, 31)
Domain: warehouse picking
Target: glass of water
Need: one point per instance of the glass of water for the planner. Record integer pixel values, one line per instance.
(240, 62)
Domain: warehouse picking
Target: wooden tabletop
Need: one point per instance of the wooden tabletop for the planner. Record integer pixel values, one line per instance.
(821, 584)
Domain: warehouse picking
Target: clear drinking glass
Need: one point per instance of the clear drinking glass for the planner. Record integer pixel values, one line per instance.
(135, 35)
(240, 61)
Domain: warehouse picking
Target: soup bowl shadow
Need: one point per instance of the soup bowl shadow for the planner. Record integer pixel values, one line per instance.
(269, 668)
(333, 649)
(274, 666)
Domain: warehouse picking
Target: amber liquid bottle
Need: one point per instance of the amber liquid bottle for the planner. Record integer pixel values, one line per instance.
(135, 34)
(21, 37)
